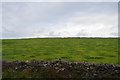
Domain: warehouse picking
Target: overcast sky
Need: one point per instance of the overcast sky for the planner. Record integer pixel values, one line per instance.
(59, 19)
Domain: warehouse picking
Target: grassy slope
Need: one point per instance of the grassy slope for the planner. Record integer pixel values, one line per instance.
(88, 50)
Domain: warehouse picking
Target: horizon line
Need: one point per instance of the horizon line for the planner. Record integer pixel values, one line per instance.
(56, 37)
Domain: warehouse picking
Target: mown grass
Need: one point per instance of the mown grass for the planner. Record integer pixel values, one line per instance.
(68, 49)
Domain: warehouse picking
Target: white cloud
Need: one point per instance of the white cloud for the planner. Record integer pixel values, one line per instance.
(60, 0)
(59, 19)
(93, 24)
(0, 20)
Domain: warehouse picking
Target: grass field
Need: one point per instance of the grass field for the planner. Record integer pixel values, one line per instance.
(68, 49)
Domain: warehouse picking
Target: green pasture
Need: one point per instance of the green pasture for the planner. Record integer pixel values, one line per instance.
(95, 50)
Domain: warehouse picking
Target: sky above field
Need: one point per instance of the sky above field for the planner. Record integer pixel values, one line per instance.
(59, 19)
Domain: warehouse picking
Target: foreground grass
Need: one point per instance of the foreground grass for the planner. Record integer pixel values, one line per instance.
(68, 49)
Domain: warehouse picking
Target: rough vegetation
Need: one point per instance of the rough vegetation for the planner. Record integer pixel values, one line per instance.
(59, 69)
(94, 50)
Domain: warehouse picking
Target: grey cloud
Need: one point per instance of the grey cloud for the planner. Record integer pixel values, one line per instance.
(82, 33)
(114, 34)
(53, 34)
(59, 19)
